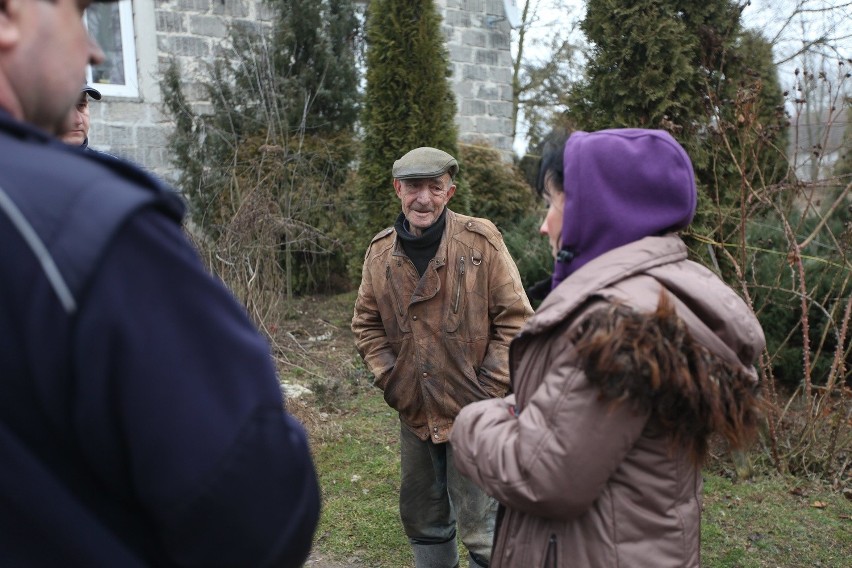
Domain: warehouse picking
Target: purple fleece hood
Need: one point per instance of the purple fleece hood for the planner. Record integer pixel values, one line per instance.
(621, 185)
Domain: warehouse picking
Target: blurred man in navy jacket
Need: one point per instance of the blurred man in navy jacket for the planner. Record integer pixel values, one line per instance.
(141, 422)
(75, 131)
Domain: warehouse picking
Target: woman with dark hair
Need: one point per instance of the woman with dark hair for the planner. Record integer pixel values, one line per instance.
(633, 360)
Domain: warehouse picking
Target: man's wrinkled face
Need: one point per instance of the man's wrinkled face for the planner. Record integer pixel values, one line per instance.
(44, 50)
(76, 127)
(423, 199)
(553, 219)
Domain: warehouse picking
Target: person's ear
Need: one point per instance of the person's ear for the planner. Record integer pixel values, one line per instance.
(451, 191)
(397, 185)
(10, 32)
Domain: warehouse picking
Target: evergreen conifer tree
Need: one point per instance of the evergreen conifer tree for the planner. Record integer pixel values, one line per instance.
(408, 103)
(314, 57)
(690, 68)
(272, 158)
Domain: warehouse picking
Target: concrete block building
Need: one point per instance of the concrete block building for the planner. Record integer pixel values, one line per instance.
(140, 37)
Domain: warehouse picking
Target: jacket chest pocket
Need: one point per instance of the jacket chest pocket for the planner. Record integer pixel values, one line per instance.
(394, 311)
(467, 305)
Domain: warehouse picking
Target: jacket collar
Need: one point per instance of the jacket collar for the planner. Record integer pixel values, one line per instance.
(24, 130)
(603, 271)
(733, 334)
(450, 229)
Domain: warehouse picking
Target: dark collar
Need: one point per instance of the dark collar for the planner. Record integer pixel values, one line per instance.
(22, 130)
(431, 234)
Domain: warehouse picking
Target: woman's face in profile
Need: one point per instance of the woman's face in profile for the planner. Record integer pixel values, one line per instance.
(552, 224)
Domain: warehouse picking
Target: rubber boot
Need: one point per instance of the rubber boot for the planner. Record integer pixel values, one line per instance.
(476, 562)
(441, 555)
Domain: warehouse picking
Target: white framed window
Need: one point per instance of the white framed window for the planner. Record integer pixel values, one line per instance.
(111, 24)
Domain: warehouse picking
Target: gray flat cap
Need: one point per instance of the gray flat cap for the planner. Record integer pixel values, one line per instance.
(425, 162)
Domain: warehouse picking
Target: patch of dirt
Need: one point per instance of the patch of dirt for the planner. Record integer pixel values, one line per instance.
(317, 362)
(313, 343)
(315, 332)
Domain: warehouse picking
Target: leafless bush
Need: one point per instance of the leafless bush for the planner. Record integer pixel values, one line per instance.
(790, 255)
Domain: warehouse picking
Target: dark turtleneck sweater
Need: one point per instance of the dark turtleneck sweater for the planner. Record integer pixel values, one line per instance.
(421, 249)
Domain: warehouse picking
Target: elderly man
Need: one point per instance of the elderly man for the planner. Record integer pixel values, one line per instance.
(439, 301)
(76, 127)
(141, 422)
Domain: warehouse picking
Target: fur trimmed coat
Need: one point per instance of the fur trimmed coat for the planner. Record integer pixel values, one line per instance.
(618, 380)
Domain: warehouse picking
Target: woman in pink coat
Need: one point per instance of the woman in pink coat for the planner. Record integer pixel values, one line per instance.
(632, 361)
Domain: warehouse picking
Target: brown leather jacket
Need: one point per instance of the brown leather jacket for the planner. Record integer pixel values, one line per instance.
(439, 342)
(583, 462)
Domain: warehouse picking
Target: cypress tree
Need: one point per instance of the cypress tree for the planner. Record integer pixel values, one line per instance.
(690, 68)
(641, 69)
(315, 60)
(408, 103)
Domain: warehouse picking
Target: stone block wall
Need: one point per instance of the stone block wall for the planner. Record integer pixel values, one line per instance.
(478, 40)
(191, 31)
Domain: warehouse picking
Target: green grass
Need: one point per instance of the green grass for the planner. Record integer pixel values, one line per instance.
(359, 475)
(774, 522)
(769, 522)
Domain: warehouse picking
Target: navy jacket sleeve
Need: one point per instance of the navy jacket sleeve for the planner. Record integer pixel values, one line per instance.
(195, 418)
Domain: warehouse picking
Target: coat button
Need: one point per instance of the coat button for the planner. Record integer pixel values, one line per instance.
(435, 429)
(414, 318)
(425, 374)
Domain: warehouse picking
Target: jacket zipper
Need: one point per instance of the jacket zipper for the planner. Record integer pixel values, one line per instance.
(393, 290)
(550, 556)
(458, 286)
